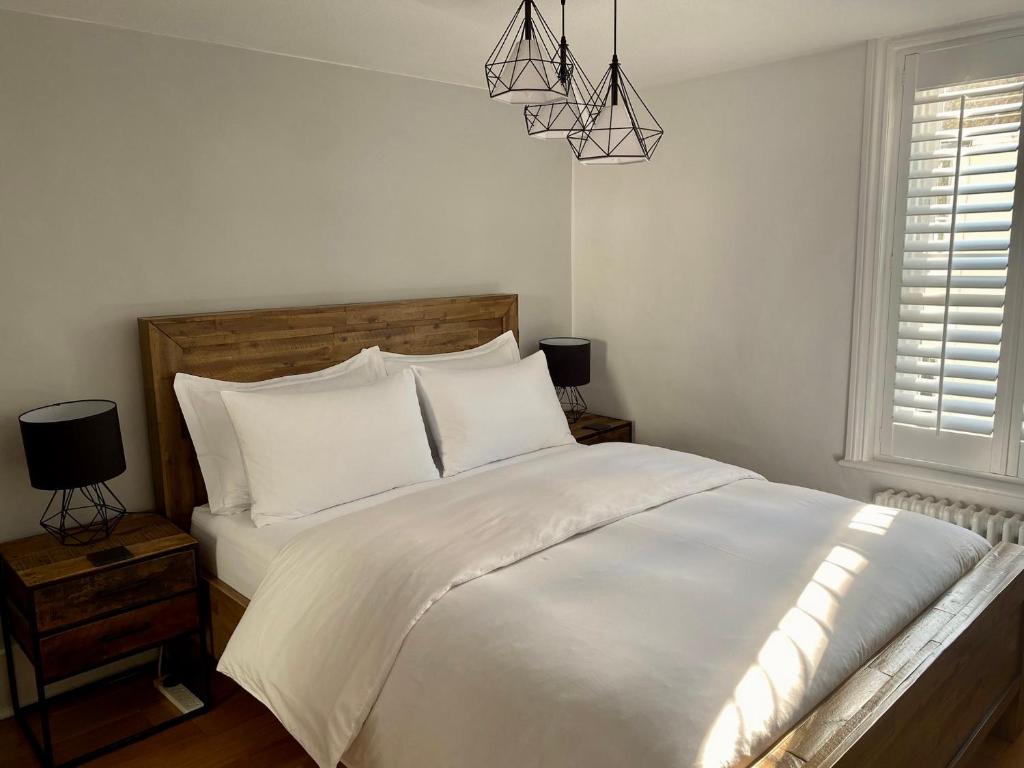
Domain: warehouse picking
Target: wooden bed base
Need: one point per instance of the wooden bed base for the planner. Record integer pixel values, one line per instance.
(927, 700)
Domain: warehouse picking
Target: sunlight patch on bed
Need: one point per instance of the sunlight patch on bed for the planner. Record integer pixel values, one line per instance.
(874, 520)
(785, 664)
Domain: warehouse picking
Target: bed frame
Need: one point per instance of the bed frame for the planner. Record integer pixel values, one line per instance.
(928, 699)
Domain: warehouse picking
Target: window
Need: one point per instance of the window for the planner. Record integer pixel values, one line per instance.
(952, 268)
(938, 361)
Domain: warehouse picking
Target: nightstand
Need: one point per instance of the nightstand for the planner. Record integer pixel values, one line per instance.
(593, 428)
(72, 609)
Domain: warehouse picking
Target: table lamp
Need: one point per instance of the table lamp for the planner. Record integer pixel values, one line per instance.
(569, 365)
(72, 449)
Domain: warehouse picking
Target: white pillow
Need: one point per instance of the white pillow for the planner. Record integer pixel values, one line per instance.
(481, 416)
(214, 436)
(306, 452)
(500, 351)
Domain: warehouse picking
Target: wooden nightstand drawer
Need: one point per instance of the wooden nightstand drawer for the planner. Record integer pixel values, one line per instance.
(76, 600)
(623, 434)
(592, 428)
(90, 645)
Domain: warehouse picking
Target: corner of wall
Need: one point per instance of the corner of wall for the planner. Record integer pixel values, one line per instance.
(572, 248)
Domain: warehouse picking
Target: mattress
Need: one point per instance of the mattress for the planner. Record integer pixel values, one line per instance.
(238, 553)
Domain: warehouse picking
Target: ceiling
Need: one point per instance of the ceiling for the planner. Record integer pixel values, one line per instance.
(660, 41)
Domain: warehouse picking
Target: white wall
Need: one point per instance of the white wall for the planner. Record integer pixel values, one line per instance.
(717, 281)
(142, 175)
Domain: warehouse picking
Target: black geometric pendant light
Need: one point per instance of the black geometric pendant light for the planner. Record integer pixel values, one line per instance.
(524, 66)
(554, 121)
(621, 128)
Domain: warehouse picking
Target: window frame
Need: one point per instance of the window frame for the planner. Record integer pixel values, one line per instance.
(878, 221)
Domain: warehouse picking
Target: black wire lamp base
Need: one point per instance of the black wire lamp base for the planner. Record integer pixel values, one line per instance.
(572, 402)
(92, 519)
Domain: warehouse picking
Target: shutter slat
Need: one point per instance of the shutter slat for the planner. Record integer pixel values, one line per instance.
(976, 170)
(952, 133)
(920, 367)
(969, 262)
(956, 301)
(930, 385)
(957, 315)
(940, 209)
(950, 404)
(977, 188)
(916, 279)
(983, 353)
(973, 244)
(933, 332)
(1001, 224)
(957, 422)
(951, 153)
(968, 90)
(915, 418)
(1010, 109)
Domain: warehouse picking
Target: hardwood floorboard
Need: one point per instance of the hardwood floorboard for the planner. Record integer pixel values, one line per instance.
(238, 733)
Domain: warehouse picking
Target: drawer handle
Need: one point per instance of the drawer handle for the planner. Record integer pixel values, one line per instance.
(120, 634)
(124, 589)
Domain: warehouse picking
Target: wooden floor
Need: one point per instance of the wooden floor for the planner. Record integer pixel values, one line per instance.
(239, 732)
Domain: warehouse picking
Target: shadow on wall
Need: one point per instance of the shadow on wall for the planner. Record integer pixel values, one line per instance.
(604, 394)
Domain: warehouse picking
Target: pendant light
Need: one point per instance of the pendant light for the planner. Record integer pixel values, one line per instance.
(554, 121)
(523, 68)
(622, 128)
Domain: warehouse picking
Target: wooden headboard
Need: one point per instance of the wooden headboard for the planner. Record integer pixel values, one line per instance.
(264, 343)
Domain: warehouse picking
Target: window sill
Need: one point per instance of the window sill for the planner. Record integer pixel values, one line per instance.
(961, 482)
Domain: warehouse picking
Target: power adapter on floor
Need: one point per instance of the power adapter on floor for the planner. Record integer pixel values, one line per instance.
(178, 694)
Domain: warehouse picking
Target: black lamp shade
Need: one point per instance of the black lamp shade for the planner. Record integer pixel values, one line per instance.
(568, 360)
(72, 445)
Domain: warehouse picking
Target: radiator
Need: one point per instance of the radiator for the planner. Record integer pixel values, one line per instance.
(994, 524)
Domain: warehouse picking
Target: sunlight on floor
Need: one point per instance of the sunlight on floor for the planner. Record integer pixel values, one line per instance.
(786, 662)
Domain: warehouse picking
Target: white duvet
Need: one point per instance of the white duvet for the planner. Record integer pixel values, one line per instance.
(704, 613)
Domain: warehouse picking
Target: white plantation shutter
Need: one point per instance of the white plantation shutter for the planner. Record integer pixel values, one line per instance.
(955, 257)
(1020, 452)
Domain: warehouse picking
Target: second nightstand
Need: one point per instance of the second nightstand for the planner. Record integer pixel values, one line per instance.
(592, 428)
(72, 609)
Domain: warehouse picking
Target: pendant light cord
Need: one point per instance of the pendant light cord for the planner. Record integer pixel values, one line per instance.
(563, 71)
(615, 28)
(615, 53)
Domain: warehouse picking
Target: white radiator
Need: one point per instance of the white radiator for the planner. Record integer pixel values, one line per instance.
(994, 524)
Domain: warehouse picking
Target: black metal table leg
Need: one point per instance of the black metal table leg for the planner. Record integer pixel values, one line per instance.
(12, 677)
(44, 718)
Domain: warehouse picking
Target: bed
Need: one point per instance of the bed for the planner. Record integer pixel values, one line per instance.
(946, 673)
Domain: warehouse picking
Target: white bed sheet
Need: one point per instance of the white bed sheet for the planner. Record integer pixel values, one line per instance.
(238, 553)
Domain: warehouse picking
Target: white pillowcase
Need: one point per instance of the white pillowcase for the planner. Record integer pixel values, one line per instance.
(306, 452)
(213, 435)
(481, 416)
(500, 351)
